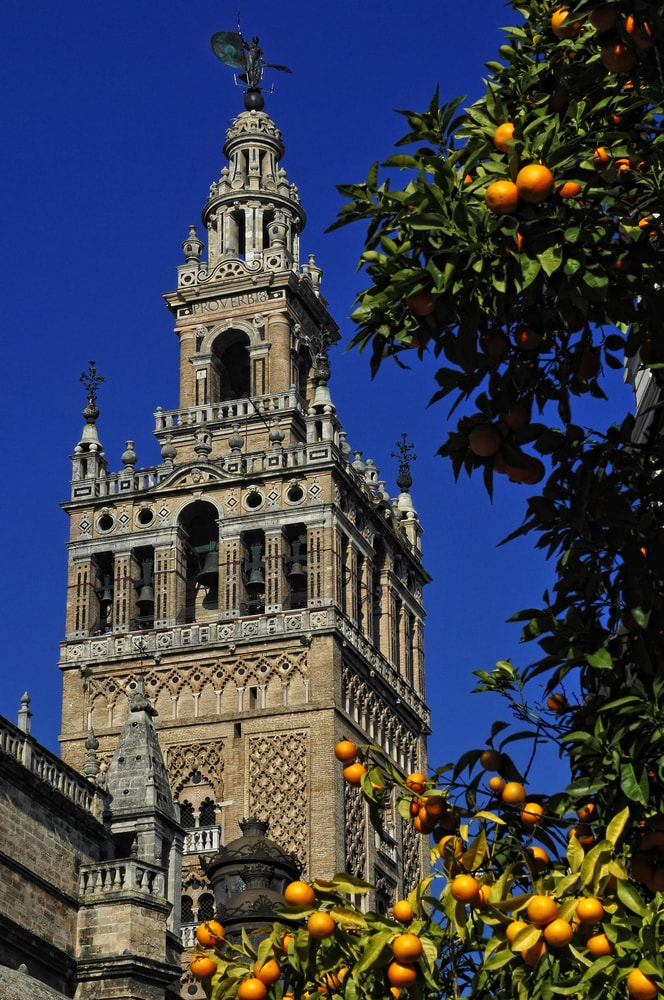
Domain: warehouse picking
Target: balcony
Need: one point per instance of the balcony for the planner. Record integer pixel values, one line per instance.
(202, 840)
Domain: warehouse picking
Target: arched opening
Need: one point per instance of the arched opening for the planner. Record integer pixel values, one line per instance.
(377, 592)
(201, 549)
(232, 369)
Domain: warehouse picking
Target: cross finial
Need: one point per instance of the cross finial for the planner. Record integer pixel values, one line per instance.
(91, 379)
(405, 455)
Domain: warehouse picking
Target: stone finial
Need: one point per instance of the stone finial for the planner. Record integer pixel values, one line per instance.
(405, 456)
(91, 766)
(24, 714)
(129, 458)
(192, 247)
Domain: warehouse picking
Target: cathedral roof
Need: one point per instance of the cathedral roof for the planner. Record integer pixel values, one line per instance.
(16, 984)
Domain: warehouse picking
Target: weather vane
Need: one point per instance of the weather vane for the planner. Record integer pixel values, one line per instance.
(405, 455)
(236, 51)
(91, 379)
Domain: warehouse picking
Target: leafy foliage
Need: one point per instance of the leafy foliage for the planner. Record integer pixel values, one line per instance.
(530, 305)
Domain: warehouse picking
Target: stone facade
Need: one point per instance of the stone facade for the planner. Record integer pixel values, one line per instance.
(259, 582)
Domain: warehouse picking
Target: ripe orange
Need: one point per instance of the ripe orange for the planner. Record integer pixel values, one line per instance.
(423, 825)
(502, 137)
(589, 365)
(532, 955)
(534, 183)
(421, 303)
(501, 197)
(464, 888)
(586, 813)
(532, 813)
(603, 18)
(481, 900)
(402, 911)
(557, 703)
(530, 473)
(449, 821)
(268, 972)
(284, 942)
(623, 166)
(569, 189)
(598, 945)
(516, 417)
(435, 806)
(345, 751)
(639, 31)
(494, 343)
(353, 773)
(496, 784)
(514, 793)
(526, 337)
(601, 158)
(491, 760)
(401, 975)
(202, 966)
(559, 28)
(417, 782)
(589, 910)
(455, 847)
(513, 929)
(299, 894)
(618, 58)
(406, 948)
(251, 989)
(558, 933)
(583, 834)
(640, 986)
(540, 859)
(320, 924)
(542, 910)
(210, 933)
(484, 440)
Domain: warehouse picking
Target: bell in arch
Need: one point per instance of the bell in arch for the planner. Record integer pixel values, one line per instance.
(145, 598)
(208, 574)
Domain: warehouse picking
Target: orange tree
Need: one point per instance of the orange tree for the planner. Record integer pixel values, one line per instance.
(521, 243)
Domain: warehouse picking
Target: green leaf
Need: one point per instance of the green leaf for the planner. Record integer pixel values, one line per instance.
(635, 787)
(616, 826)
(600, 658)
(376, 950)
(630, 898)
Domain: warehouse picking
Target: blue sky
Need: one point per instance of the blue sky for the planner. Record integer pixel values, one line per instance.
(113, 118)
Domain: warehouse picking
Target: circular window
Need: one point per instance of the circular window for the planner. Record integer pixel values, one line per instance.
(295, 494)
(145, 517)
(105, 522)
(254, 500)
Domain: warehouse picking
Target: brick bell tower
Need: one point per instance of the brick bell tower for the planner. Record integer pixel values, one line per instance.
(259, 583)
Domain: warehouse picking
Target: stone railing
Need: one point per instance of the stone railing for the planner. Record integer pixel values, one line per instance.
(188, 935)
(44, 765)
(201, 840)
(108, 877)
(228, 412)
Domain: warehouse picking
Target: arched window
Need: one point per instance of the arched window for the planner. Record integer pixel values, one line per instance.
(206, 907)
(207, 815)
(186, 910)
(187, 815)
(199, 521)
(231, 366)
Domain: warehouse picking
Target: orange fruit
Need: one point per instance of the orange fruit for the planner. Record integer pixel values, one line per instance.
(569, 189)
(251, 989)
(345, 751)
(532, 955)
(484, 440)
(424, 825)
(516, 417)
(558, 933)
(589, 365)
(601, 158)
(421, 303)
(501, 197)
(353, 773)
(491, 760)
(481, 900)
(464, 888)
(202, 966)
(534, 183)
(542, 909)
(532, 813)
(639, 31)
(406, 948)
(598, 945)
(455, 846)
(210, 933)
(530, 473)
(268, 972)
(540, 859)
(320, 924)
(618, 58)
(399, 974)
(589, 910)
(558, 26)
(623, 166)
(640, 986)
(514, 793)
(299, 894)
(402, 911)
(494, 343)
(502, 137)
(586, 813)
(583, 834)
(513, 929)
(284, 942)
(603, 18)
(417, 782)
(496, 784)
(435, 806)
(557, 703)
(642, 866)
(526, 337)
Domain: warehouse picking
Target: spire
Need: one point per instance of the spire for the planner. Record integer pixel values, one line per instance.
(88, 459)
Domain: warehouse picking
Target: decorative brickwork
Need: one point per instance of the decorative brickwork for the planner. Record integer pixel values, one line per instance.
(355, 832)
(279, 789)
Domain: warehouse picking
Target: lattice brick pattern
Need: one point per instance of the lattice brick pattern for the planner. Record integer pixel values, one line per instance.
(355, 827)
(412, 859)
(278, 789)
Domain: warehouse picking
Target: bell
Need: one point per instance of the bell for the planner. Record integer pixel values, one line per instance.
(256, 578)
(297, 572)
(208, 575)
(254, 570)
(105, 592)
(145, 596)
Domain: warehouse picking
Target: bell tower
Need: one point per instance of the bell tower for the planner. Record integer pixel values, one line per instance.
(257, 583)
